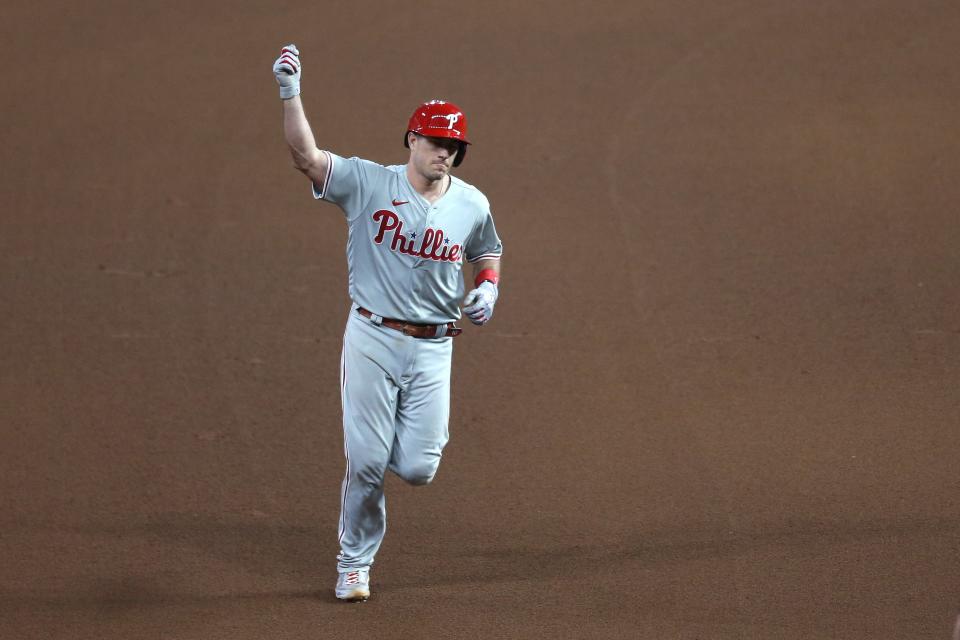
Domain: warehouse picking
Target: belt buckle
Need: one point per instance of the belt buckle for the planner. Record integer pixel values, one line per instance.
(408, 329)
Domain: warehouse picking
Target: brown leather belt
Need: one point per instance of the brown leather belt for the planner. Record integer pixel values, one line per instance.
(412, 329)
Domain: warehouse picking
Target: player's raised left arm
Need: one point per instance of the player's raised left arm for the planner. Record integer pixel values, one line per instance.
(478, 305)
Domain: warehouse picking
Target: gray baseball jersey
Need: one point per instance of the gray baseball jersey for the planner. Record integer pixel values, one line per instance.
(405, 255)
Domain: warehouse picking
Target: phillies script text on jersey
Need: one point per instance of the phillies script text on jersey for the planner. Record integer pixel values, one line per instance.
(433, 245)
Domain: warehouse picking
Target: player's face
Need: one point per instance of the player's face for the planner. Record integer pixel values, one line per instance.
(433, 157)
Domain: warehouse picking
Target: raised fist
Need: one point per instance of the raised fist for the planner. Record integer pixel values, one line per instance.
(287, 71)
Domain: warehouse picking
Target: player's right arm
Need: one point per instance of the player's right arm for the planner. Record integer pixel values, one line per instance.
(307, 158)
(303, 148)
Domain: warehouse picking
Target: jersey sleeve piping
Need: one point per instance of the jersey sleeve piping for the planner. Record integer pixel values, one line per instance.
(491, 255)
(318, 195)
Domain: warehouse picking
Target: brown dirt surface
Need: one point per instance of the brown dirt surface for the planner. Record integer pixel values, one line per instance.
(716, 400)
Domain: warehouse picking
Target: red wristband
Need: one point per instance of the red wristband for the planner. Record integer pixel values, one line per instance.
(486, 274)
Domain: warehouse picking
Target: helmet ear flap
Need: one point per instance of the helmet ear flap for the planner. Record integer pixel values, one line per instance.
(461, 154)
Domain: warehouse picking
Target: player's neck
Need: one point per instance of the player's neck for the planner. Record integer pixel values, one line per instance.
(431, 190)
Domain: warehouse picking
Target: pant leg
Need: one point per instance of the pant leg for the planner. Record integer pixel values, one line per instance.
(423, 412)
(369, 395)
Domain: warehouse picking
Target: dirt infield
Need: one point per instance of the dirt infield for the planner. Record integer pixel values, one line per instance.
(718, 400)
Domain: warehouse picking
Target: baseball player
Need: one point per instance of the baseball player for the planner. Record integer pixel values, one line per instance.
(410, 229)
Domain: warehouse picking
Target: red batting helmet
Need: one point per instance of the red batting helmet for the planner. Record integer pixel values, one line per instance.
(440, 119)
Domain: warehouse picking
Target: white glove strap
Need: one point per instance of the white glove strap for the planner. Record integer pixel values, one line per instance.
(289, 92)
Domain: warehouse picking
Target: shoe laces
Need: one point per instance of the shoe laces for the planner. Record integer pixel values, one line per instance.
(352, 578)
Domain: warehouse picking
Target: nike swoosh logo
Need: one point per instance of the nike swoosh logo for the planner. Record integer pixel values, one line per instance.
(397, 203)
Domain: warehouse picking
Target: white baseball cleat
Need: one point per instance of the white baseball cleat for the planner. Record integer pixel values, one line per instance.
(354, 585)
